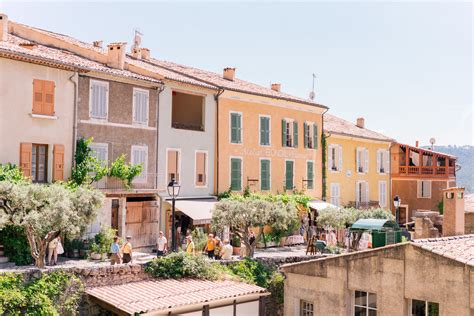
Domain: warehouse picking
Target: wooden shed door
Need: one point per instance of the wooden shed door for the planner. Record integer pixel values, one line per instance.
(142, 223)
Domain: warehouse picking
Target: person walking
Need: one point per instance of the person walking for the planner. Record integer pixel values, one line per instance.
(115, 252)
(52, 252)
(210, 246)
(127, 250)
(226, 252)
(217, 248)
(190, 246)
(161, 245)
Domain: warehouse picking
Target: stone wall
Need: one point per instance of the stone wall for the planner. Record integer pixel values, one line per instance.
(469, 223)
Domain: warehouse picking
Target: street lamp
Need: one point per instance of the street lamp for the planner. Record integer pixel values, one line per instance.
(173, 192)
(396, 202)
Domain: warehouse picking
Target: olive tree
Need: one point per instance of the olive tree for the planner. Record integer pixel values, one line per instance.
(242, 215)
(44, 211)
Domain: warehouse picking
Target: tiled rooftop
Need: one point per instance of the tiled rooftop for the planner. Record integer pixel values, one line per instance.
(459, 248)
(156, 295)
(336, 125)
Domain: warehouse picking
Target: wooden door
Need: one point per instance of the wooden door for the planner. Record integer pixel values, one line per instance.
(142, 223)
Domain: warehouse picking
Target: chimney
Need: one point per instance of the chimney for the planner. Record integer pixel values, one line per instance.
(137, 52)
(145, 53)
(3, 27)
(98, 43)
(116, 55)
(416, 144)
(360, 122)
(229, 73)
(276, 87)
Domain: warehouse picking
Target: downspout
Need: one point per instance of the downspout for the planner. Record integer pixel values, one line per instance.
(323, 152)
(158, 92)
(74, 128)
(216, 98)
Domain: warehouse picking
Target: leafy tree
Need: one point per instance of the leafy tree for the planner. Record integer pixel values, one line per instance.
(126, 173)
(87, 168)
(44, 211)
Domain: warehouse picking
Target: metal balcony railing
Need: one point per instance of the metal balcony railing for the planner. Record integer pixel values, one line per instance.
(146, 182)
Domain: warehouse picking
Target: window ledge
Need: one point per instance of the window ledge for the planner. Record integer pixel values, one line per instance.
(42, 116)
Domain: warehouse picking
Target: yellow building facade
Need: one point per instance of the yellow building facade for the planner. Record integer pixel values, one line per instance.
(357, 164)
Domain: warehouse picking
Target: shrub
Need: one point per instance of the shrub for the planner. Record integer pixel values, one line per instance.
(251, 271)
(11, 173)
(276, 286)
(15, 244)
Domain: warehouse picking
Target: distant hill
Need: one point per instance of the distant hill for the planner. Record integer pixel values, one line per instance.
(465, 154)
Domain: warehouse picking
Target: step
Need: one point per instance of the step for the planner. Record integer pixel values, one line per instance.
(2, 253)
(3, 259)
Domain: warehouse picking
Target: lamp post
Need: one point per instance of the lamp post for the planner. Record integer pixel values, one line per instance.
(173, 192)
(396, 202)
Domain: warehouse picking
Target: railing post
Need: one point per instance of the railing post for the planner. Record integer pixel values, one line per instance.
(407, 159)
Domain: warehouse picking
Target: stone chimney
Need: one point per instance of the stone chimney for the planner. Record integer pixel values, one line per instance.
(417, 143)
(116, 55)
(98, 43)
(137, 52)
(276, 87)
(360, 122)
(453, 211)
(229, 73)
(145, 53)
(3, 27)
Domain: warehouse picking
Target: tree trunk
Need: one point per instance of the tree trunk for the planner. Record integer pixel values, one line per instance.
(38, 246)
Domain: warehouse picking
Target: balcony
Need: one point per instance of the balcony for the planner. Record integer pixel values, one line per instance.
(143, 184)
(427, 171)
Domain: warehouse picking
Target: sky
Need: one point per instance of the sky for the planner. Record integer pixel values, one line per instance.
(406, 67)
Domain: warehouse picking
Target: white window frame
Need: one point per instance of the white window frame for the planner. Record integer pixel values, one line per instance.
(384, 204)
(177, 167)
(102, 146)
(269, 171)
(289, 122)
(367, 308)
(367, 192)
(143, 177)
(241, 127)
(241, 172)
(311, 133)
(294, 174)
(337, 156)
(269, 130)
(335, 200)
(314, 173)
(383, 156)
(195, 170)
(100, 83)
(147, 92)
(419, 194)
(366, 161)
(301, 312)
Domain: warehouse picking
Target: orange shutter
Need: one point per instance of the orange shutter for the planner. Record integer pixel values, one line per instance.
(200, 168)
(37, 96)
(173, 165)
(48, 95)
(58, 162)
(25, 158)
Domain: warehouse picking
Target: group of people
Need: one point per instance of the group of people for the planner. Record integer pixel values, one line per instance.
(121, 254)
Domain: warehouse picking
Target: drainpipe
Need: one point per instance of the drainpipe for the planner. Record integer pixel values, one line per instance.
(323, 182)
(74, 128)
(216, 97)
(158, 92)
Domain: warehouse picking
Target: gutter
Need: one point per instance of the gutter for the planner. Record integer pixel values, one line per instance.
(158, 92)
(74, 128)
(216, 98)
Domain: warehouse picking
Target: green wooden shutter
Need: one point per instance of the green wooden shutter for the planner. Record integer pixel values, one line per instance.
(235, 128)
(310, 174)
(239, 128)
(236, 174)
(289, 175)
(306, 134)
(264, 131)
(315, 136)
(295, 134)
(283, 133)
(265, 174)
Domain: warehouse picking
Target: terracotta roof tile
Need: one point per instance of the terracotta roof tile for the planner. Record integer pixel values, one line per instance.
(156, 295)
(336, 125)
(459, 248)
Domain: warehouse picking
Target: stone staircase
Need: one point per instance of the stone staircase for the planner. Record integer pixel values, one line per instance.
(3, 259)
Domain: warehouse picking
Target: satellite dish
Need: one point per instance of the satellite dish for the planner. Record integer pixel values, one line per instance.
(432, 142)
(312, 95)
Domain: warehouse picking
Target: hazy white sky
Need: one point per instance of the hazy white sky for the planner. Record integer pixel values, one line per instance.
(407, 67)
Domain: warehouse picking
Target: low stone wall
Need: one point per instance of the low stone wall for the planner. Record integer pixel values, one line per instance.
(469, 223)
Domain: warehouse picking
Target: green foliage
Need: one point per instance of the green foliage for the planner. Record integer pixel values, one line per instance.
(276, 285)
(441, 207)
(236, 242)
(56, 293)
(199, 239)
(103, 240)
(11, 173)
(344, 217)
(224, 195)
(15, 244)
(251, 271)
(126, 173)
(179, 265)
(87, 168)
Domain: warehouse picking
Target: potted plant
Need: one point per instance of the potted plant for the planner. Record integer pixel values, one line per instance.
(96, 251)
(236, 244)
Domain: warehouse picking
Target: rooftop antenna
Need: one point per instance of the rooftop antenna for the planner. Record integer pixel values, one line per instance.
(312, 94)
(137, 39)
(432, 142)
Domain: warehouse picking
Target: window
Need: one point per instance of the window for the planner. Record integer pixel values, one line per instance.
(424, 308)
(383, 161)
(264, 130)
(140, 157)
(335, 158)
(201, 168)
(101, 152)
(173, 165)
(310, 135)
(236, 128)
(289, 130)
(140, 106)
(362, 160)
(289, 175)
(306, 308)
(310, 175)
(264, 174)
(383, 193)
(39, 163)
(43, 97)
(365, 303)
(424, 189)
(362, 194)
(98, 99)
(236, 174)
(187, 111)
(335, 194)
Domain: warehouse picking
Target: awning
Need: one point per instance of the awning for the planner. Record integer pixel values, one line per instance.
(374, 224)
(200, 210)
(320, 205)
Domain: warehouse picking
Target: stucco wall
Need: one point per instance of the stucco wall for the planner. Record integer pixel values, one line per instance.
(16, 102)
(407, 190)
(187, 141)
(469, 222)
(251, 151)
(348, 176)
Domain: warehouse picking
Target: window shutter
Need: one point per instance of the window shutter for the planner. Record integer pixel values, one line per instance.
(387, 161)
(200, 168)
(265, 174)
(295, 134)
(379, 153)
(310, 174)
(427, 188)
(289, 175)
(233, 128)
(236, 174)
(283, 133)
(263, 138)
(358, 198)
(339, 157)
(25, 158)
(330, 147)
(239, 128)
(315, 136)
(58, 162)
(48, 102)
(37, 96)
(366, 161)
(173, 165)
(366, 192)
(306, 134)
(357, 159)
